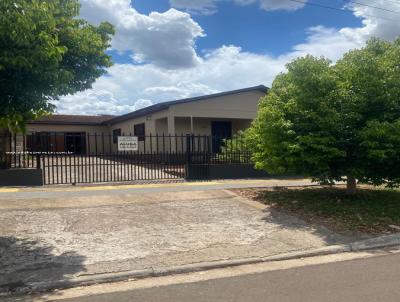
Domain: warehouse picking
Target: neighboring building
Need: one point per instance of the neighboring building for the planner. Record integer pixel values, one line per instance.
(220, 114)
(65, 133)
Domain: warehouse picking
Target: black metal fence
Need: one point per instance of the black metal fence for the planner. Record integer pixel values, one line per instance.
(15, 154)
(88, 158)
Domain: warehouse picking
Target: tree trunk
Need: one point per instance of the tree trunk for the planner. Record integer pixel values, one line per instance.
(351, 185)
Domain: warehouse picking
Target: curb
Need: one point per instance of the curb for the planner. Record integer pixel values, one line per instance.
(368, 244)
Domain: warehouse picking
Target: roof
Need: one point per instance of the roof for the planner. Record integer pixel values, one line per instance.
(63, 119)
(165, 105)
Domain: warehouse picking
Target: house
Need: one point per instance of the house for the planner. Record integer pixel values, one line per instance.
(218, 115)
(64, 133)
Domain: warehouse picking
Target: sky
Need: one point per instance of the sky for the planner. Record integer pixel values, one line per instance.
(171, 49)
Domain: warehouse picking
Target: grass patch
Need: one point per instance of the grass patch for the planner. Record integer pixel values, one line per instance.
(371, 210)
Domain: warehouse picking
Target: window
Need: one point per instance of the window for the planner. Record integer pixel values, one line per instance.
(116, 133)
(139, 131)
(38, 142)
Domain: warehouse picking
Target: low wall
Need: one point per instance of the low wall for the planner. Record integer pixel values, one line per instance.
(232, 171)
(224, 171)
(21, 177)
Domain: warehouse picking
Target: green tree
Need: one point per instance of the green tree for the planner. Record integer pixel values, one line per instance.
(235, 149)
(46, 51)
(334, 122)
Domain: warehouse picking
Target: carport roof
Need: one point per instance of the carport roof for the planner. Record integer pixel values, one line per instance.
(166, 105)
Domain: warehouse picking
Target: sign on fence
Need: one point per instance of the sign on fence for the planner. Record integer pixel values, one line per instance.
(128, 143)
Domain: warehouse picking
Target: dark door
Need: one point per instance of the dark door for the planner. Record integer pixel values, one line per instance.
(219, 132)
(75, 142)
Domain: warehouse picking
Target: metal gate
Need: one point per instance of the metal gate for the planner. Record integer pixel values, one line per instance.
(68, 158)
(157, 157)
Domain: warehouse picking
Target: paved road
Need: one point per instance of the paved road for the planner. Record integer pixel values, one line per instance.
(367, 280)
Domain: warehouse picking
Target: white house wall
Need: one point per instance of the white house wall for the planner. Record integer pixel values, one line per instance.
(149, 120)
(150, 126)
(241, 105)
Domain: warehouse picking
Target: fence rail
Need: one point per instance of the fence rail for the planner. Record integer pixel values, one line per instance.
(86, 158)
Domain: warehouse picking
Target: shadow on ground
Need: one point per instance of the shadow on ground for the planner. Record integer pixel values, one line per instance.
(25, 262)
(290, 209)
(289, 222)
(369, 213)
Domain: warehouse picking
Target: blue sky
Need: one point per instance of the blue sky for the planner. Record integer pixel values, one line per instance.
(171, 49)
(257, 30)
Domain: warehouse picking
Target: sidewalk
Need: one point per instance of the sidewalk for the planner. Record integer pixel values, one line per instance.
(140, 188)
(87, 232)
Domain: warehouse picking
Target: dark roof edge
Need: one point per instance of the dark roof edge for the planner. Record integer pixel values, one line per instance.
(66, 123)
(166, 105)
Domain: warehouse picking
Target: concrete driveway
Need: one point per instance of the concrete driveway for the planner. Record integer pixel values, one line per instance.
(60, 237)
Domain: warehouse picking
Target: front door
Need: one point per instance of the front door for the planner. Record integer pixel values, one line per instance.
(219, 132)
(75, 142)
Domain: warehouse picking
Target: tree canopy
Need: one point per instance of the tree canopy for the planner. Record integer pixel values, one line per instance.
(334, 122)
(46, 51)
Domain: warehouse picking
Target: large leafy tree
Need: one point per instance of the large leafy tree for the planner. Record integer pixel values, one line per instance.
(46, 51)
(334, 122)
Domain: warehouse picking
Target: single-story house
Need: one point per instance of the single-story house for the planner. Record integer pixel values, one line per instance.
(220, 114)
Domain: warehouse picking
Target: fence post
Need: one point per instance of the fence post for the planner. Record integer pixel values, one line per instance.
(188, 156)
(8, 149)
(38, 162)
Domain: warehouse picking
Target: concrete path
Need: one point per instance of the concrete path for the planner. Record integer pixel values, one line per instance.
(46, 238)
(361, 280)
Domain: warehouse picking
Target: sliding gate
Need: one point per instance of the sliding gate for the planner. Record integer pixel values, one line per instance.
(154, 157)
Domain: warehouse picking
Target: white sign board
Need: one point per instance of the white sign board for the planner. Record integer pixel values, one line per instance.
(128, 143)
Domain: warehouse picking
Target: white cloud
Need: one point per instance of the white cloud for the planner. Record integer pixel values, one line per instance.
(376, 22)
(225, 68)
(97, 101)
(332, 43)
(207, 7)
(165, 39)
(126, 84)
(142, 103)
(327, 42)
